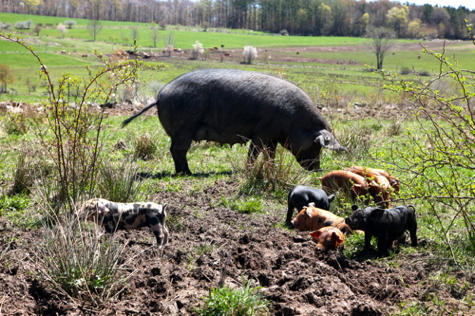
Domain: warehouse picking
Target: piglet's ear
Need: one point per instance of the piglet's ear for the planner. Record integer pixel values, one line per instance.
(315, 234)
(336, 236)
(354, 207)
(311, 204)
(309, 212)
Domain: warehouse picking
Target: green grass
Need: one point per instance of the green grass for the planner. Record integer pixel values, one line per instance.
(245, 300)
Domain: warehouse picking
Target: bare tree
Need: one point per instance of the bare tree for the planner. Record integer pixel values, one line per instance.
(381, 42)
(94, 27)
(154, 34)
(169, 42)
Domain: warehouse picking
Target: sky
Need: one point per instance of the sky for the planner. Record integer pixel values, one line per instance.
(469, 4)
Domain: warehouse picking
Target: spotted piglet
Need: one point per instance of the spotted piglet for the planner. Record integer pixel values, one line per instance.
(125, 216)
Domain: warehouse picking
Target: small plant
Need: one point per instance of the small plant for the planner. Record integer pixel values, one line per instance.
(144, 147)
(228, 301)
(13, 203)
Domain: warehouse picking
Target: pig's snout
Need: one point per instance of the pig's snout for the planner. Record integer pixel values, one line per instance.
(295, 223)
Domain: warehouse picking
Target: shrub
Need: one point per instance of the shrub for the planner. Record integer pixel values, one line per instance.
(423, 73)
(228, 301)
(16, 124)
(405, 70)
(249, 53)
(440, 152)
(284, 32)
(62, 29)
(196, 50)
(70, 24)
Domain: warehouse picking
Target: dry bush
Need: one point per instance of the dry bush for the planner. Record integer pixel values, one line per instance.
(144, 147)
(267, 175)
(78, 261)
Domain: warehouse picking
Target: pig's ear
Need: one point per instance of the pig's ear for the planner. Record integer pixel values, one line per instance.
(315, 234)
(101, 207)
(376, 214)
(338, 238)
(308, 210)
(354, 207)
(311, 204)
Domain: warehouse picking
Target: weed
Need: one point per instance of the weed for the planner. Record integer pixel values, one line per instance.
(228, 301)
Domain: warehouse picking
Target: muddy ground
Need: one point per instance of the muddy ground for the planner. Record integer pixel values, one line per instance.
(295, 278)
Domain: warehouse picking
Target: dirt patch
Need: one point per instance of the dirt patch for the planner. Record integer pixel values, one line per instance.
(294, 278)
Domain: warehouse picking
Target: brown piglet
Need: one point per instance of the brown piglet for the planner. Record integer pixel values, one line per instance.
(327, 238)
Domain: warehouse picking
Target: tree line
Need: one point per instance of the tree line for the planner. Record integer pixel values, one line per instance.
(296, 17)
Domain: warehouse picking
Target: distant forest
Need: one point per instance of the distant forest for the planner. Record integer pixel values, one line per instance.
(296, 17)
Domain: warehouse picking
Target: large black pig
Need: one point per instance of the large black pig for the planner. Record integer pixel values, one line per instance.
(386, 225)
(232, 106)
(301, 195)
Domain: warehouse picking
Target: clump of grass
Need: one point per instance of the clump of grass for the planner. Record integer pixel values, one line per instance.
(78, 261)
(144, 147)
(245, 300)
(271, 175)
(394, 129)
(16, 124)
(22, 177)
(175, 222)
(357, 139)
(118, 182)
(248, 206)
